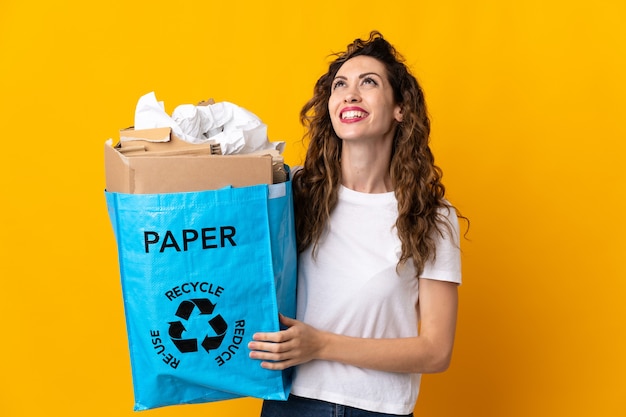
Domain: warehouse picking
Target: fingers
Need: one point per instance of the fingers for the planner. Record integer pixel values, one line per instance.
(268, 347)
(287, 321)
(264, 344)
(279, 350)
(275, 356)
(275, 350)
(277, 337)
(278, 366)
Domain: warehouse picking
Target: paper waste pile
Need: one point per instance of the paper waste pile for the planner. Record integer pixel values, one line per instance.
(235, 129)
(198, 147)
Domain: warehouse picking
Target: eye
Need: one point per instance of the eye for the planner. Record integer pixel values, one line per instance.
(338, 83)
(369, 81)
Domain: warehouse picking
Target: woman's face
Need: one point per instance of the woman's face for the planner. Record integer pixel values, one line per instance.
(361, 103)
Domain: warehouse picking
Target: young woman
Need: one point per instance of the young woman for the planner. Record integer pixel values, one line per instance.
(379, 260)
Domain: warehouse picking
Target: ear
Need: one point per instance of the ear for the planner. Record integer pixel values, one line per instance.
(397, 113)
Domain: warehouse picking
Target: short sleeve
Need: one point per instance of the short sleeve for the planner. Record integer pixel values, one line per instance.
(446, 265)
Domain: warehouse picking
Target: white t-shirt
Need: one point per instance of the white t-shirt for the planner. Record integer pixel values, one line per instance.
(353, 288)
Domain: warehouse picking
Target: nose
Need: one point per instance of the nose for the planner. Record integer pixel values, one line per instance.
(352, 96)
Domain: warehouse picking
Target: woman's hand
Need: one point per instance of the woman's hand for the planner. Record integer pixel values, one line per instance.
(430, 352)
(298, 344)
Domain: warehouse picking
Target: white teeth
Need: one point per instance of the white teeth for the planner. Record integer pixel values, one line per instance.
(352, 114)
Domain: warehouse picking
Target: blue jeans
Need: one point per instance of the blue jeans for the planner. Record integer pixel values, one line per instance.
(305, 407)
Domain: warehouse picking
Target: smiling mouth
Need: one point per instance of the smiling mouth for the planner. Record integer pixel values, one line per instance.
(353, 114)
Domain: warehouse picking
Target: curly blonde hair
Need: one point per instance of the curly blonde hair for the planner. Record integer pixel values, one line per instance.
(415, 177)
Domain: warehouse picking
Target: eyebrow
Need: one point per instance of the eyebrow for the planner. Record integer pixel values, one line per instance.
(361, 76)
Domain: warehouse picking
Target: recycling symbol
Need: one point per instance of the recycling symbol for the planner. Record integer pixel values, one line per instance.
(211, 338)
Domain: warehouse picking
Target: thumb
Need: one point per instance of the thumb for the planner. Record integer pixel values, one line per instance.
(286, 321)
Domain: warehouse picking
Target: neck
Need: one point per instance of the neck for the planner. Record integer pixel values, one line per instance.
(366, 169)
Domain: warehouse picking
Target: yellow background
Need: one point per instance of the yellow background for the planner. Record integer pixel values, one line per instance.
(527, 103)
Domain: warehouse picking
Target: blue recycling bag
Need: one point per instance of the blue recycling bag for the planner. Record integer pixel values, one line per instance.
(201, 272)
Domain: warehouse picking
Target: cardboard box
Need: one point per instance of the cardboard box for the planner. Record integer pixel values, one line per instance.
(155, 161)
(161, 140)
